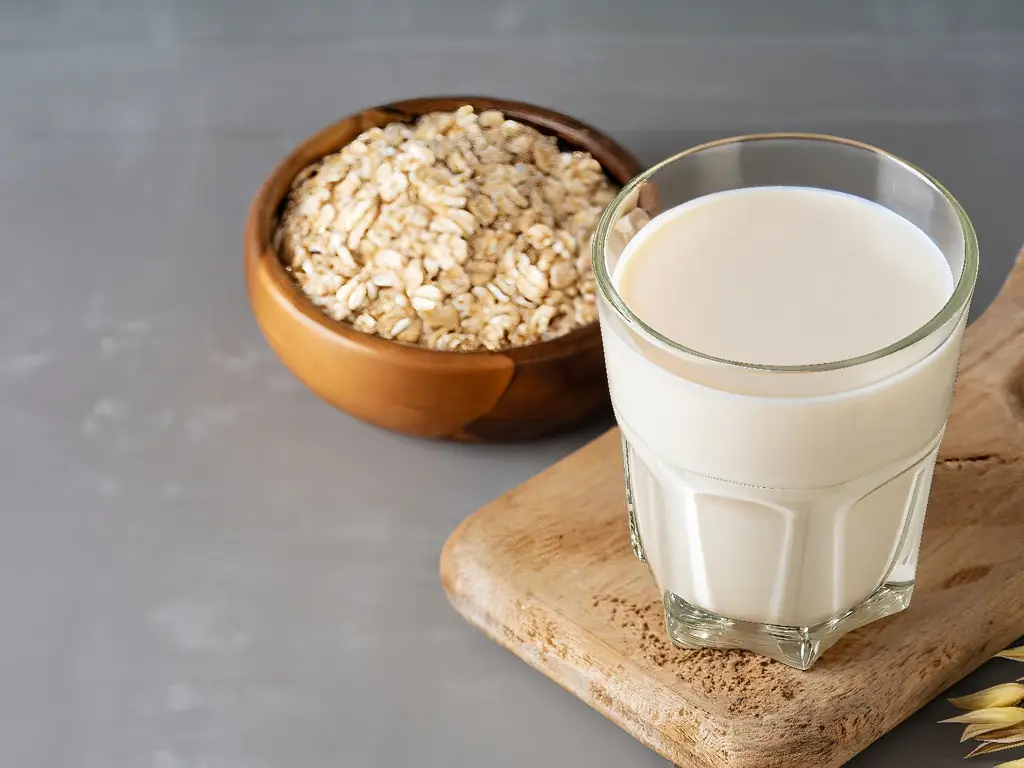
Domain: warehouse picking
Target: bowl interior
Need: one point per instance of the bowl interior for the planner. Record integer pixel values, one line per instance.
(618, 163)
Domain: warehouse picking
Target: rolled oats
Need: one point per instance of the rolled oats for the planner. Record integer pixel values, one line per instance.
(459, 232)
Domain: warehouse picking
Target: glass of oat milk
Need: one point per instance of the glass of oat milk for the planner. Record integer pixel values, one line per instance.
(782, 318)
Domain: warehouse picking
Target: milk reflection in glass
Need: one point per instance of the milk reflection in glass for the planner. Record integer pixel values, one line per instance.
(775, 498)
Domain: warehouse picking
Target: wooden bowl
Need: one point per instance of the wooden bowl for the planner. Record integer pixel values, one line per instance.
(518, 393)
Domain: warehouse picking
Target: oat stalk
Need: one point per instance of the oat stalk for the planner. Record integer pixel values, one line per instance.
(975, 730)
(994, 717)
(1002, 695)
(1001, 716)
(988, 748)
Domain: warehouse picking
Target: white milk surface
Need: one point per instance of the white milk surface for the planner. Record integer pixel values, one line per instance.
(782, 498)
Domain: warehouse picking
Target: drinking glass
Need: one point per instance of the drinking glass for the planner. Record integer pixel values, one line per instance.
(780, 507)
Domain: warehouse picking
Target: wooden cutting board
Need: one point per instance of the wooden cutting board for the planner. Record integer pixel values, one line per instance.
(547, 571)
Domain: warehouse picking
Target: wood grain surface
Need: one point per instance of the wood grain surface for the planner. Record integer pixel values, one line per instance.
(547, 572)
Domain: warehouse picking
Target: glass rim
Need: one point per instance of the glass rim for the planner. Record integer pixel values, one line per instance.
(957, 301)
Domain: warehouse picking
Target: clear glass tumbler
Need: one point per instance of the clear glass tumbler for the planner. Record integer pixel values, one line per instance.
(780, 507)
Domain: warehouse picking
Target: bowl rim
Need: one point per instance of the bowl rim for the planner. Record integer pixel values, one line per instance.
(260, 254)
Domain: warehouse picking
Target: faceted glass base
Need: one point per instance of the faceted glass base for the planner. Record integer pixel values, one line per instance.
(692, 627)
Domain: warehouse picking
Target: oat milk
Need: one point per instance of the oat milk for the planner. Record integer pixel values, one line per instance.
(781, 498)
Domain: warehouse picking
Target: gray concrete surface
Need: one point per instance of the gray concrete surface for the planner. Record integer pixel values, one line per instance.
(203, 566)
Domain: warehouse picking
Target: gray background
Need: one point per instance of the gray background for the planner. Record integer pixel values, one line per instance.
(203, 566)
